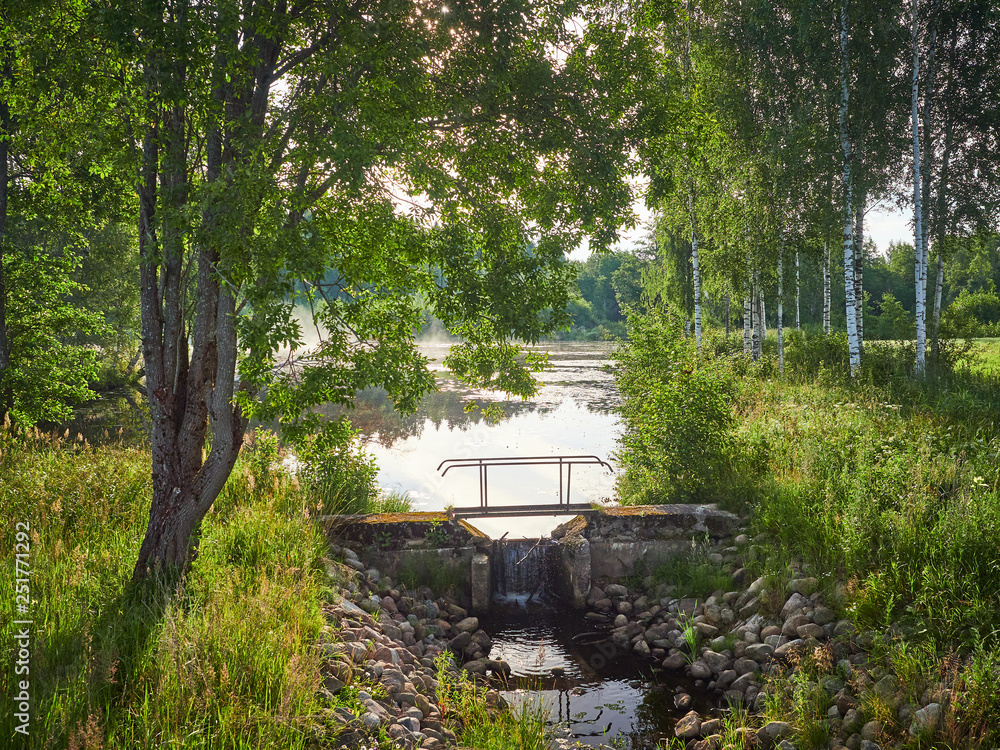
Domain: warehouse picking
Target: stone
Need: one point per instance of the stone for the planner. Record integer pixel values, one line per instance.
(409, 723)
(745, 666)
(759, 652)
(774, 731)
(604, 605)
(810, 630)
(332, 684)
(823, 615)
(770, 631)
(706, 630)
(467, 625)
(886, 688)
(682, 701)
(370, 721)
(716, 662)
(727, 678)
(620, 621)
(926, 719)
(804, 586)
(676, 660)
(851, 719)
(793, 623)
(700, 670)
(869, 745)
(641, 648)
(742, 683)
(793, 604)
(689, 726)
(756, 587)
(624, 607)
(460, 641)
(614, 590)
(871, 730)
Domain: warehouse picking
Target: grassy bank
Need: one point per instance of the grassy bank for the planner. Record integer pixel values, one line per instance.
(223, 661)
(229, 658)
(885, 486)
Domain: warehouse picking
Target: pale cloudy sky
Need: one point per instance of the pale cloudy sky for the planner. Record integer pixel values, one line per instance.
(884, 223)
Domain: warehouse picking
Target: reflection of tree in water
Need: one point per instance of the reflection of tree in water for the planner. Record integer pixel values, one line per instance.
(376, 417)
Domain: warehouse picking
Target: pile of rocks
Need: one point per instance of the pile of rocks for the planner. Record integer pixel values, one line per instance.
(746, 645)
(388, 638)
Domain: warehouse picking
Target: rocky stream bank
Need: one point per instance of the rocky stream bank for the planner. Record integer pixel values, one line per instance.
(786, 669)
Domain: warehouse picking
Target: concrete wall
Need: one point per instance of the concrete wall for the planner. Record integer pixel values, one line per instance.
(599, 546)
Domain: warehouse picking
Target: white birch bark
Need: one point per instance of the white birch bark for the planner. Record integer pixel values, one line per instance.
(781, 291)
(798, 289)
(826, 288)
(758, 320)
(920, 260)
(848, 197)
(695, 271)
(747, 326)
(859, 269)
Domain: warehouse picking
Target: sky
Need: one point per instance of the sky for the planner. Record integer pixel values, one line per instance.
(884, 223)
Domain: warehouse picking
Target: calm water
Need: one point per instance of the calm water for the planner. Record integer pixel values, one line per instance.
(571, 414)
(595, 692)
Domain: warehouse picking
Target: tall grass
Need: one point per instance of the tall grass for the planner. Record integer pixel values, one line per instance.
(483, 723)
(224, 661)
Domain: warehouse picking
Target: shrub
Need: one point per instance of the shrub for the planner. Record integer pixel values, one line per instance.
(676, 414)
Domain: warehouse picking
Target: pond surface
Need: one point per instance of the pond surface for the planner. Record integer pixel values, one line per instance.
(570, 415)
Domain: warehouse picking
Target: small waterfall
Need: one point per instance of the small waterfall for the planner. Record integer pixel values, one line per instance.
(522, 571)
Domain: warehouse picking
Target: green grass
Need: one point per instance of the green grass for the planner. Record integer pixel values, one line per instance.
(480, 723)
(886, 486)
(224, 661)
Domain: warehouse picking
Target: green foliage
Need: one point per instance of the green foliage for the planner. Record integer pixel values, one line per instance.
(481, 722)
(440, 573)
(227, 658)
(676, 413)
(893, 486)
(46, 373)
(973, 314)
(895, 322)
(340, 475)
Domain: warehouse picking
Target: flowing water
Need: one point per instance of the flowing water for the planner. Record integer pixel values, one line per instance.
(594, 692)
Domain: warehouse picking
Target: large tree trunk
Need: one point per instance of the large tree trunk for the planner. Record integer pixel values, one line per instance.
(747, 325)
(826, 288)
(920, 257)
(859, 269)
(5, 134)
(696, 274)
(190, 363)
(848, 196)
(936, 320)
(758, 320)
(781, 292)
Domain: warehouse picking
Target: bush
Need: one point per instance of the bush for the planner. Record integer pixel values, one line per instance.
(340, 475)
(676, 414)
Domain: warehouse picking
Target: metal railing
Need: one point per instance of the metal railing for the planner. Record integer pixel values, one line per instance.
(483, 465)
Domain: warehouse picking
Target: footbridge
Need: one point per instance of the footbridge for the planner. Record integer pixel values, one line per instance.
(482, 465)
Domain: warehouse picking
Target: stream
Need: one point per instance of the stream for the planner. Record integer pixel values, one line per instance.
(594, 694)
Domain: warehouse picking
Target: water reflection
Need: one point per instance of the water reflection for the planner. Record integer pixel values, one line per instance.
(593, 689)
(571, 414)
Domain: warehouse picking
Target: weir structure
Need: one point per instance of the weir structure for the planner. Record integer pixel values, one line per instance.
(596, 546)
